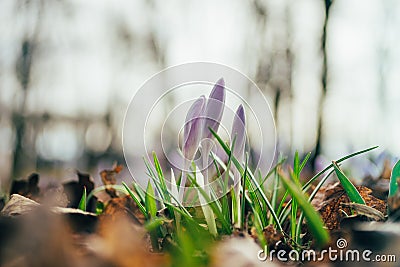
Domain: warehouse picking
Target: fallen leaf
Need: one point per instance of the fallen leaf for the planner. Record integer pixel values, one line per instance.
(79, 221)
(121, 243)
(272, 235)
(108, 179)
(328, 201)
(123, 206)
(19, 205)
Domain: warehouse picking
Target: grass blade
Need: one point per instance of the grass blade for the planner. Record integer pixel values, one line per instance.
(151, 208)
(139, 192)
(150, 201)
(308, 184)
(393, 179)
(315, 224)
(283, 213)
(296, 166)
(295, 175)
(313, 194)
(305, 160)
(180, 209)
(243, 197)
(137, 201)
(348, 186)
(274, 194)
(251, 177)
(212, 205)
(174, 187)
(273, 170)
(161, 177)
(223, 183)
(82, 203)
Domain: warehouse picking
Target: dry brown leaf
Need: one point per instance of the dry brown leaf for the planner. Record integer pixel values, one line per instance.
(122, 243)
(122, 206)
(108, 179)
(329, 199)
(272, 236)
(19, 205)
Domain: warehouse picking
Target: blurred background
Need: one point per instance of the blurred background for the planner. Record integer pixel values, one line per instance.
(330, 70)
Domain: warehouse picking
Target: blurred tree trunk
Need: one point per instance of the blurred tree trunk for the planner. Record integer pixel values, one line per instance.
(23, 71)
(324, 76)
(274, 70)
(23, 68)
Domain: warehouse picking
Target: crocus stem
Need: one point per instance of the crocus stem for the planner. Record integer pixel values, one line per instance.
(183, 182)
(208, 214)
(238, 145)
(174, 188)
(202, 181)
(236, 207)
(175, 193)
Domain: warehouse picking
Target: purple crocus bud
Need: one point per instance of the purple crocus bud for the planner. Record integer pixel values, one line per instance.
(192, 131)
(192, 134)
(212, 118)
(214, 108)
(239, 134)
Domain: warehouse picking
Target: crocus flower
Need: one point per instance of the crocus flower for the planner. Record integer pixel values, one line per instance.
(238, 134)
(212, 117)
(192, 133)
(214, 108)
(202, 116)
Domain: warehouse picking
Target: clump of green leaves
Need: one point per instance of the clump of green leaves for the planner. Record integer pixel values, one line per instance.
(222, 215)
(264, 210)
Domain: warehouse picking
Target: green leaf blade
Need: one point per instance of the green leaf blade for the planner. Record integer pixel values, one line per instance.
(135, 198)
(315, 223)
(348, 186)
(83, 202)
(306, 186)
(251, 178)
(393, 179)
(150, 201)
